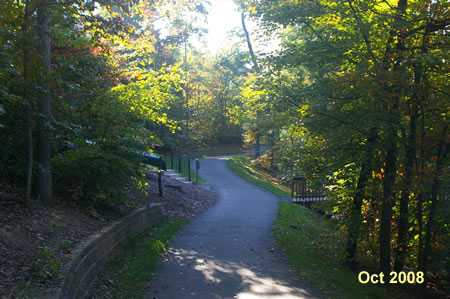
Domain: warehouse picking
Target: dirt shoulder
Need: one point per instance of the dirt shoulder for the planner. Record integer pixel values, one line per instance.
(180, 200)
(36, 242)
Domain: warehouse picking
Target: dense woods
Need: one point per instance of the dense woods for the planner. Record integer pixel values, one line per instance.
(87, 84)
(362, 86)
(356, 98)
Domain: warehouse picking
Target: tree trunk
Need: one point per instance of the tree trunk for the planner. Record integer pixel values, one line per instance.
(403, 223)
(257, 135)
(249, 44)
(410, 150)
(391, 153)
(386, 210)
(420, 196)
(257, 145)
(223, 107)
(257, 70)
(355, 215)
(28, 104)
(443, 149)
(44, 146)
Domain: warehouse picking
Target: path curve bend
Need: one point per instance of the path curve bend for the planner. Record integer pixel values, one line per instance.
(228, 251)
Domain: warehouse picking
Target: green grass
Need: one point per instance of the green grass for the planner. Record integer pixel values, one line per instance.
(242, 167)
(128, 274)
(315, 248)
(312, 243)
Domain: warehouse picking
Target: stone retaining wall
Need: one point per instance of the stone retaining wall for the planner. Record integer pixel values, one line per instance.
(89, 259)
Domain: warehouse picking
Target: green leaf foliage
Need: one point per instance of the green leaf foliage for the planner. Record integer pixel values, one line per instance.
(96, 174)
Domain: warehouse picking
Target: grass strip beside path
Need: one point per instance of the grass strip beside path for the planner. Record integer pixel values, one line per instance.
(128, 274)
(315, 248)
(243, 167)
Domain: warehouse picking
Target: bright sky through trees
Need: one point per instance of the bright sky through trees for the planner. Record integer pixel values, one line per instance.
(223, 16)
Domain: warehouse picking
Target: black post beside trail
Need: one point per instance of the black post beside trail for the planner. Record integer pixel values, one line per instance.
(160, 178)
(179, 165)
(157, 148)
(292, 186)
(171, 159)
(197, 167)
(189, 168)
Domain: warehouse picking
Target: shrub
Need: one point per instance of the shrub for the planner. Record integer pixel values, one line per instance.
(96, 173)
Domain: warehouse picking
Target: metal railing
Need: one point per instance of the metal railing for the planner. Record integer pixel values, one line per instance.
(182, 165)
(303, 191)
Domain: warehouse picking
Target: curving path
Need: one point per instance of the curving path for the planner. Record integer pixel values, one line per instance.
(228, 251)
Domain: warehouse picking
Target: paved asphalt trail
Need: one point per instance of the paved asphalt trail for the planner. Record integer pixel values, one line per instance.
(227, 252)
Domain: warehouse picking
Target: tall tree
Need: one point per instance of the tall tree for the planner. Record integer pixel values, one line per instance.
(27, 100)
(256, 70)
(43, 142)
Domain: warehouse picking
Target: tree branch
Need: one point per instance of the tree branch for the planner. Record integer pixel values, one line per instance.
(363, 33)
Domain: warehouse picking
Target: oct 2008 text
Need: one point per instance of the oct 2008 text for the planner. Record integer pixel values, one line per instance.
(394, 277)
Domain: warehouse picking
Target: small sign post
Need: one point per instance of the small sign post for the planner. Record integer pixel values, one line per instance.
(197, 167)
(160, 189)
(189, 168)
